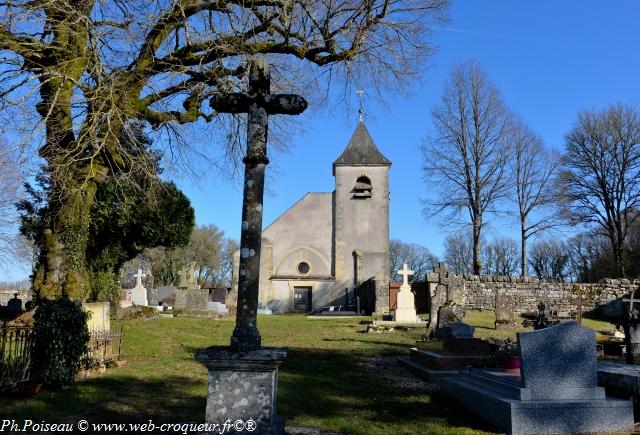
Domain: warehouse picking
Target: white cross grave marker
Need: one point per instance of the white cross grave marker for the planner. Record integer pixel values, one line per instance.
(405, 300)
(139, 292)
(138, 276)
(405, 272)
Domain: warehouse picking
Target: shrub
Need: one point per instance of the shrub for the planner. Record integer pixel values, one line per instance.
(60, 340)
(105, 287)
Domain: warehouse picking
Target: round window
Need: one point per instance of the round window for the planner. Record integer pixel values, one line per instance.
(303, 268)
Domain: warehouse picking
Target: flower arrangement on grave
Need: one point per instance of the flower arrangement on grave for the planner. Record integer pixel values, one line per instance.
(508, 354)
(507, 348)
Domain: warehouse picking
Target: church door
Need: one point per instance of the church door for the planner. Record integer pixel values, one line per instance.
(302, 299)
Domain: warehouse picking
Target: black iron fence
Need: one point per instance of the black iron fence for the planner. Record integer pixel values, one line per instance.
(15, 354)
(16, 344)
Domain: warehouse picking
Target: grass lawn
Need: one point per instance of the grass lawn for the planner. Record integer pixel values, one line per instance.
(335, 377)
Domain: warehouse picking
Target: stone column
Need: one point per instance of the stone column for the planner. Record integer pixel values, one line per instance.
(243, 378)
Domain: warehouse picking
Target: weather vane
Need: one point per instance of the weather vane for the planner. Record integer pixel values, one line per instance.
(360, 93)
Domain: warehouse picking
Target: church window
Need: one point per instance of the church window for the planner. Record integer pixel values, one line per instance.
(303, 268)
(362, 188)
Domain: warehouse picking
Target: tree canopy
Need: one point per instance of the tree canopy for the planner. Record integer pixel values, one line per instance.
(89, 68)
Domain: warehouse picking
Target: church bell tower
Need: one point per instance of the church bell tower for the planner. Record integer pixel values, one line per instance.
(361, 215)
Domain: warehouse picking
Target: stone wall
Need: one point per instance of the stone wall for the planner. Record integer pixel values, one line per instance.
(479, 292)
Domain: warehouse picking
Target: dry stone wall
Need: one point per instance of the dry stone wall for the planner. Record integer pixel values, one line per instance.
(479, 292)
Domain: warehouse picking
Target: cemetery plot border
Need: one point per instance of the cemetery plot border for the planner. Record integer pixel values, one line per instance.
(16, 346)
(104, 346)
(15, 355)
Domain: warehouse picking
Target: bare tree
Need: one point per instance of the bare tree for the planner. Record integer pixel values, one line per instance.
(466, 159)
(534, 169)
(501, 257)
(223, 275)
(11, 179)
(550, 259)
(600, 179)
(89, 68)
(418, 258)
(458, 254)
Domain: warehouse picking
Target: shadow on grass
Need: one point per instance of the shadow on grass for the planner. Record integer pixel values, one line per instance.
(404, 346)
(329, 387)
(115, 399)
(320, 388)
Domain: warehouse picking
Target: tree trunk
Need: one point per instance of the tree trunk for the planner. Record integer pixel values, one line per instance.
(477, 262)
(523, 250)
(61, 267)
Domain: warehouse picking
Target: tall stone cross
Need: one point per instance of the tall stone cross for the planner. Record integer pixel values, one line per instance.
(405, 272)
(258, 103)
(138, 276)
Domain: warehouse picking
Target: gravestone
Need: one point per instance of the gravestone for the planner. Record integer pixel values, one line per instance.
(505, 315)
(139, 292)
(631, 325)
(14, 305)
(191, 298)
(556, 392)
(449, 314)
(560, 362)
(438, 293)
(406, 304)
(100, 315)
(455, 330)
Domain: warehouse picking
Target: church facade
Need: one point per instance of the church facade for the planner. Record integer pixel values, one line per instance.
(318, 251)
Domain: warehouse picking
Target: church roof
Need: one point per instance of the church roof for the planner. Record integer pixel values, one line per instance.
(361, 151)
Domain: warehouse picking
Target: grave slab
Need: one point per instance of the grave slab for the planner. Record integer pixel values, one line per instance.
(556, 391)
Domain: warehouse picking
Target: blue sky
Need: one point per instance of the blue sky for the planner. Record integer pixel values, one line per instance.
(549, 59)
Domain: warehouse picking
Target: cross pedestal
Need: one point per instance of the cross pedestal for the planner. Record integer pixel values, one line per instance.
(243, 387)
(405, 301)
(243, 378)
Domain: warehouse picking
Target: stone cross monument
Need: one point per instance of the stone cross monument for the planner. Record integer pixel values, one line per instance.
(138, 276)
(406, 304)
(139, 292)
(243, 377)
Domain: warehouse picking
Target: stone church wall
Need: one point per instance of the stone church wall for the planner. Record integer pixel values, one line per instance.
(479, 292)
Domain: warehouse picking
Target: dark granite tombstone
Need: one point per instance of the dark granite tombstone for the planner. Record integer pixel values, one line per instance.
(455, 330)
(557, 391)
(560, 363)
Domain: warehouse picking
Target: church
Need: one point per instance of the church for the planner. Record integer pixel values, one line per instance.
(325, 245)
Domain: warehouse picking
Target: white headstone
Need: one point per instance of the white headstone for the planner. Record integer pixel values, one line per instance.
(139, 292)
(405, 301)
